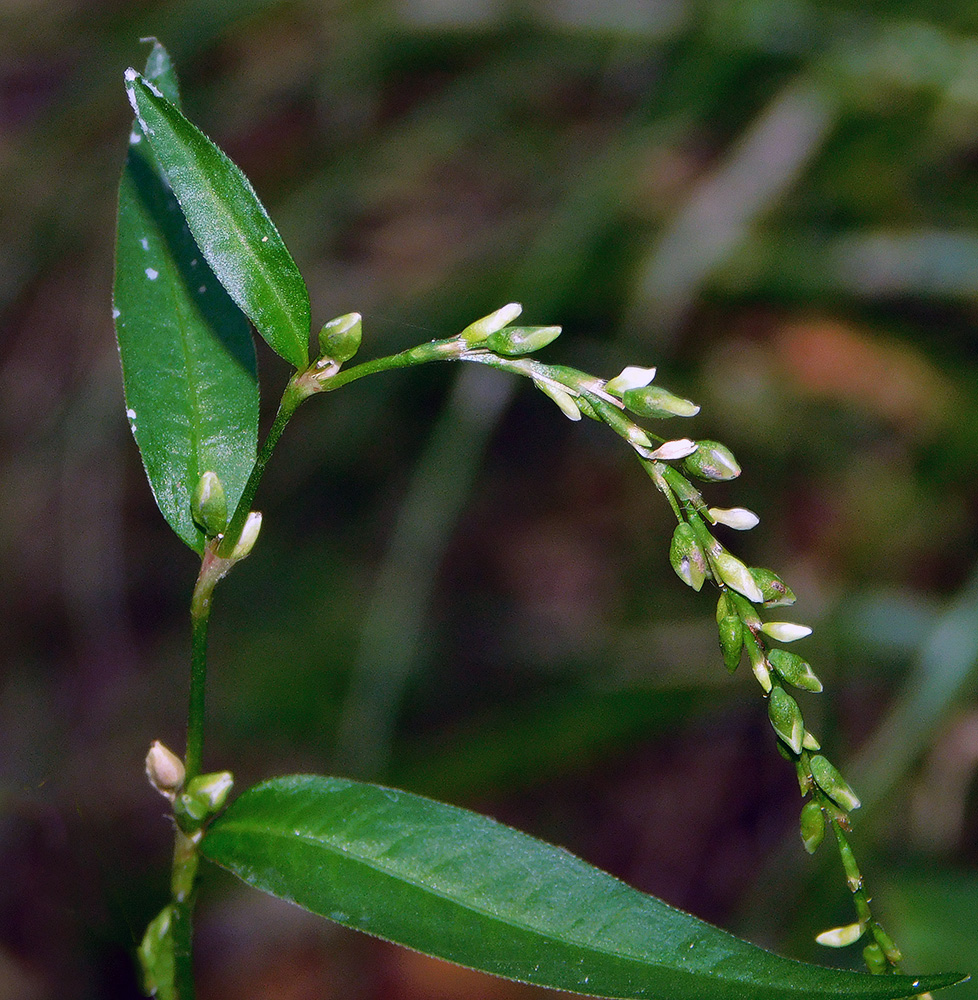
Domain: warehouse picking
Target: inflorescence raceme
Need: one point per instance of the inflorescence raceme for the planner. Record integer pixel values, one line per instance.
(695, 554)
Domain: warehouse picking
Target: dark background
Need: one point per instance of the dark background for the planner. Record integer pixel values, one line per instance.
(775, 202)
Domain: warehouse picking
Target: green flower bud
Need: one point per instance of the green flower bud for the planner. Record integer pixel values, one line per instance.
(887, 945)
(619, 423)
(875, 959)
(731, 632)
(810, 743)
(339, 339)
(477, 332)
(832, 783)
(785, 716)
(586, 407)
(652, 401)
(839, 937)
(164, 769)
(209, 506)
(712, 461)
(687, 558)
(776, 591)
(516, 340)
(758, 662)
(747, 612)
(725, 606)
(785, 631)
(736, 575)
(735, 517)
(566, 402)
(249, 535)
(204, 796)
(794, 670)
(812, 825)
(631, 377)
(156, 952)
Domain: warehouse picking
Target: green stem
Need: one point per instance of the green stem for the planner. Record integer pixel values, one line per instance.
(185, 863)
(296, 392)
(200, 613)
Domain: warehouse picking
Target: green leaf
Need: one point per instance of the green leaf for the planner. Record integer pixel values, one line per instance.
(188, 361)
(460, 886)
(229, 223)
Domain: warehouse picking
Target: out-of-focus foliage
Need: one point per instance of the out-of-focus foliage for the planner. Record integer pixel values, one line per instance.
(775, 202)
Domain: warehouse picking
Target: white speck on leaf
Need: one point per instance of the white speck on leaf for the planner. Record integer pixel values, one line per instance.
(135, 138)
(193, 263)
(131, 413)
(115, 313)
(202, 289)
(152, 273)
(264, 239)
(144, 243)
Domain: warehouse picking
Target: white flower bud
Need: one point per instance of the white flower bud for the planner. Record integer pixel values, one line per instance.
(481, 329)
(249, 535)
(735, 517)
(784, 631)
(839, 937)
(630, 378)
(562, 398)
(736, 575)
(164, 769)
(674, 449)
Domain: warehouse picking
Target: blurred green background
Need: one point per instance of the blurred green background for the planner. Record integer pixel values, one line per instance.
(456, 590)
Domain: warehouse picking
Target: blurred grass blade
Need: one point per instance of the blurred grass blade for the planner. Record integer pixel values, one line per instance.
(188, 360)
(457, 885)
(229, 223)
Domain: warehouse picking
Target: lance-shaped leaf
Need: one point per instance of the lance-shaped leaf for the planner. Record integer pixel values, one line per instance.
(458, 885)
(188, 361)
(229, 223)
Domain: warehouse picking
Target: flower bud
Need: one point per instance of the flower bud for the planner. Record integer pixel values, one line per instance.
(621, 424)
(785, 716)
(725, 606)
(475, 333)
(731, 631)
(735, 517)
(758, 662)
(785, 631)
(653, 401)
(874, 958)
(204, 795)
(156, 952)
(794, 670)
(736, 575)
(630, 378)
(209, 506)
(674, 449)
(339, 339)
(887, 945)
(776, 591)
(839, 937)
(249, 535)
(164, 769)
(514, 341)
(687, 558)
(812, 824)
(810, 743)
(566, 402)
(832, 783)
(712, 461)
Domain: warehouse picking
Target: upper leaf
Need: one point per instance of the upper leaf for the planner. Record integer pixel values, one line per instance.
(460, 886)
(188, 360)
(229, 223)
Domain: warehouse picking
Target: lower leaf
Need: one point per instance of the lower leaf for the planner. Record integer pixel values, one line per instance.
(462, 887)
